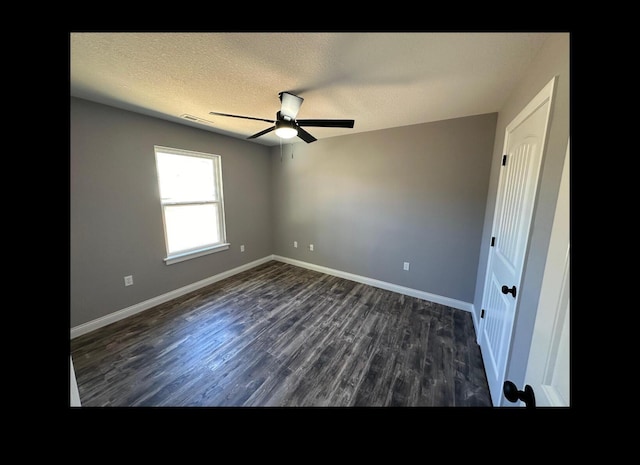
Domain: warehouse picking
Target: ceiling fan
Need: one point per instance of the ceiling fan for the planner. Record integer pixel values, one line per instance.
(287, 126)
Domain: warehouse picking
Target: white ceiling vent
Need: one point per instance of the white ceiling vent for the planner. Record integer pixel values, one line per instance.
(196, 119)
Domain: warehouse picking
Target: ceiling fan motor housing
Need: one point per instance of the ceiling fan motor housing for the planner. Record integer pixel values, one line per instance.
(284, 123)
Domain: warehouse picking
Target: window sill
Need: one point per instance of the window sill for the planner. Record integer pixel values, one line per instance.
(195, 253)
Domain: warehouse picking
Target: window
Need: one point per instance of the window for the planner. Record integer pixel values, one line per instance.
(192, 208)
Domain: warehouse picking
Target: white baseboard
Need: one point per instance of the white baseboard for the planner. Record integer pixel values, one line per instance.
(459, 304)
(147, 304)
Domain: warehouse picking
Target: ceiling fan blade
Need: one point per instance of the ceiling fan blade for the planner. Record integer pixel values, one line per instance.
(290, 104)
(305, 136)
(243, 117)
(327, 123)
(261, 133)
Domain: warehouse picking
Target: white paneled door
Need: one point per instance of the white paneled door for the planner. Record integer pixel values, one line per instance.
(521, 160)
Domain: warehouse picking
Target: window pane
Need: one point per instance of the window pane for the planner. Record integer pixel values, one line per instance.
(190, 226)
(185, 178)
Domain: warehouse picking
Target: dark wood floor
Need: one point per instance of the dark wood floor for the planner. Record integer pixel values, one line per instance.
(280, 335)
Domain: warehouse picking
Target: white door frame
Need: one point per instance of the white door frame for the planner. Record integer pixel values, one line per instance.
(548, 368)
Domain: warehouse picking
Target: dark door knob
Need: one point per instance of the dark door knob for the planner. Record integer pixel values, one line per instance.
(506, 290)
(512, 394)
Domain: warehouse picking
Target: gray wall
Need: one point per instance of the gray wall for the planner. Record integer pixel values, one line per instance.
(371, 201)
(552, 60)
(115, 216)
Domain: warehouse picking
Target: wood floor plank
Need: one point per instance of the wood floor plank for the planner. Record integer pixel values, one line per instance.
(282, 336)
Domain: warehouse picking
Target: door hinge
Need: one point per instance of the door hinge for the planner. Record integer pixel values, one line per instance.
(504, 160)
(482, 313)
(493, 241)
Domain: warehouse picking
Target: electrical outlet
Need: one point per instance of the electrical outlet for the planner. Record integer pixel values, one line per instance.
(128, 280)
(242, 248)
(406, 266)
(295, 244)
(311, 247)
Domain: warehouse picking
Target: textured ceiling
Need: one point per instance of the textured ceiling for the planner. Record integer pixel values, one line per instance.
(381, 80)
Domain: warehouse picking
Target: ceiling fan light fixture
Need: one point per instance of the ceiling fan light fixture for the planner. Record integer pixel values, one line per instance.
(285, 130)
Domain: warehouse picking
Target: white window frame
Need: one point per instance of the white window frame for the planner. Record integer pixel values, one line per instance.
(183, 255)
